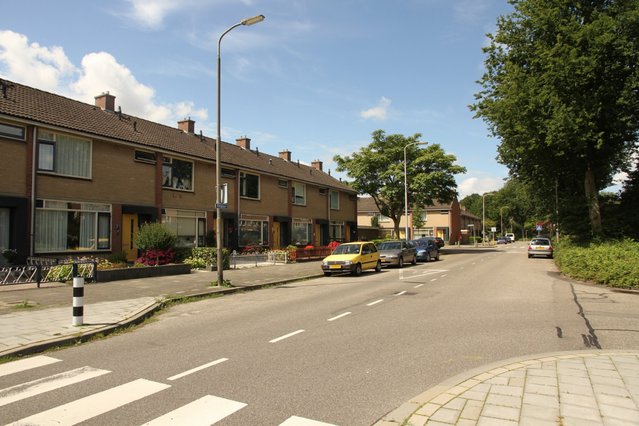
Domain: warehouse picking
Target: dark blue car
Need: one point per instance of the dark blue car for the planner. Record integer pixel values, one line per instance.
(427, 249)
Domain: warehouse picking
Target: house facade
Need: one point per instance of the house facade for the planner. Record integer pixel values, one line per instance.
(81, 178)
(450, 222)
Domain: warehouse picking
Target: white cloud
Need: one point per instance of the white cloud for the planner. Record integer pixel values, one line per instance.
(380, 112)
(31, 63)
(50, 69)
(151, 13)
(479, 185)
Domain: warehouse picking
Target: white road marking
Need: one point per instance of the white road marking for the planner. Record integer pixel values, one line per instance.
(400, 293)
(46, 384)
(418, 285)
(301, 421)
(202, 412)
(196, 369)
(339, 316)
(434, 279)
(445, 275)
(286, 336)
(93, 405)
(375, 302)
(26, 364)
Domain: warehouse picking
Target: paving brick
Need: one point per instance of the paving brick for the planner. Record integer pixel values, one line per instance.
(507, 390)
(471, 412)
(541, 400)
(541, 372)
(498, 380)
(456, 404)
(475, 395)
(445, 415)
(490, 421)
(611, 390)
(629, 415)
(541, 380)
(617, 401)
(578, 400)
(575, 389)
(579, 412)
(499, 412)
(428, 409)
(541, 412)
(542, 389)
(572, 421)
(504, 400)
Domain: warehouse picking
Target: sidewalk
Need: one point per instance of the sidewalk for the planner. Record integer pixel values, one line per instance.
(567, 388)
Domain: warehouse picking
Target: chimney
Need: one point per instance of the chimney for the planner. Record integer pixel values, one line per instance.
(187, 125)
(317, 165)
(243, 142)
(285, 155)
(105, 101)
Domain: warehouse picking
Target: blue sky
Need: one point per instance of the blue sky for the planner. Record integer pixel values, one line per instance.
(316, 77)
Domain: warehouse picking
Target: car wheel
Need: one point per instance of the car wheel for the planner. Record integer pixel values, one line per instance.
(529, 256)
(378, 267)
(437, 257)
(358, 270)
(414, 262)
(427, 257)
(400, 263)
(327, 274)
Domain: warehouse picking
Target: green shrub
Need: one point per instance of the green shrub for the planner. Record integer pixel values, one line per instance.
(202, 257)
(155, 236)
(613, 263)
(117, 257)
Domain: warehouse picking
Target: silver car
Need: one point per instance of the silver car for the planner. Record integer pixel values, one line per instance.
(540, 246)
(397, 252)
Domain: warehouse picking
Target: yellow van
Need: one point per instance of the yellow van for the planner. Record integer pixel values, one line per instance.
(352, 257)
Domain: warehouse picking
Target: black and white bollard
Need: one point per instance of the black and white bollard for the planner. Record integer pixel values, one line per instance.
(78, 300)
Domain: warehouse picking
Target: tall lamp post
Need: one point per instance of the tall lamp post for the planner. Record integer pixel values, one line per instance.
(406, 187)
(218, 156)
(483, 218)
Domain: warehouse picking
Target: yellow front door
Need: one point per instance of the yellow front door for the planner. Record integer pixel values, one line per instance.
(276, 235)
(129, 231)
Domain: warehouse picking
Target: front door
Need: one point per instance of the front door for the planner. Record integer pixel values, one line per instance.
(129, 231)
(276, 235)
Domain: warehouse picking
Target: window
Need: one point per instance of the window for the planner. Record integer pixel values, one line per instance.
(72, 226)
(228, 173)
(383, 218)
(249, 185)
(253, 230)
(188, 225)
(302, 231)
(282, 183)
(64, 155)
(323, 191)
(334, 200)
(177, 174)
(299, 194)
(145, 157)
(336, 231)
(13, 132)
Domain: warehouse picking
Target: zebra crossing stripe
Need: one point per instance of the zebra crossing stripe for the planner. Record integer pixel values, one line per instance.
(93, 405)
(26, 364)
(46, 384)
(301, 421)
(202, 412)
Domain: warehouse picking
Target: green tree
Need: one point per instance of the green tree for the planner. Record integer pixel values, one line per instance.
(378, 170)
(560, 91)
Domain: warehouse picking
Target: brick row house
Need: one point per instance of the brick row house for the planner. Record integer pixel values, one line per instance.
(80, 178)
(449, 221)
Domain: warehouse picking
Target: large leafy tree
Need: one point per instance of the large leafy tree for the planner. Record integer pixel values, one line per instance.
(378, 170)
(561, 91)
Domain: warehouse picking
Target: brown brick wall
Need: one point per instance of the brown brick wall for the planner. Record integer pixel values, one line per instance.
(13, 179)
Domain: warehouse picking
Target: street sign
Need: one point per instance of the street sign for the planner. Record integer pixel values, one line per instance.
(538, 228)
(493, 229)
(221, 206)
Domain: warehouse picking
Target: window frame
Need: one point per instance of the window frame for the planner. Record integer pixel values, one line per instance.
(294, 196)
(8, 135)
(140, 158)
(168, 164)
(43, 139)
(331, 194)
(245, 181)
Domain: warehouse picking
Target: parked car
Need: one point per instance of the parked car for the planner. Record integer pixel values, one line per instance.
(352, 257)
(510, 236)
(397, 252)
(502, 240)
(426, 249)
(540, 246)
(439, 241)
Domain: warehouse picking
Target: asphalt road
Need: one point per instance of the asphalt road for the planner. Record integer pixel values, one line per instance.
(340, 350)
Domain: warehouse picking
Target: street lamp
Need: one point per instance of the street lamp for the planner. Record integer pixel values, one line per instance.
(406, 186)
(218, 150)
(483, 218)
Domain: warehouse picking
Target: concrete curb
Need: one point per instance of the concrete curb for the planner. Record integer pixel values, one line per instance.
(138, 317)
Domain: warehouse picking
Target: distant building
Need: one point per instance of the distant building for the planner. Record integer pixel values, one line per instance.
(448, 221)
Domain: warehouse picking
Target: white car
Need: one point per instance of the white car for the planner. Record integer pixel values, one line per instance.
(511, 237)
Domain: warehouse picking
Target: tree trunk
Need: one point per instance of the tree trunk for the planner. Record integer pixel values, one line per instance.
(592, 198)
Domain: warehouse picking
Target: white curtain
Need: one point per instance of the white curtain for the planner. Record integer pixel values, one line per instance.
(51, 231)
(87, 231)
(72, 156)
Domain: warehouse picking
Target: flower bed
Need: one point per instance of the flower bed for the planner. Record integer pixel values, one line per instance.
(116, 274)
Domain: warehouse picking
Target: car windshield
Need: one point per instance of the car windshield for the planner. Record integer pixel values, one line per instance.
(347, 249)
(540, 242)
(390, 246)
